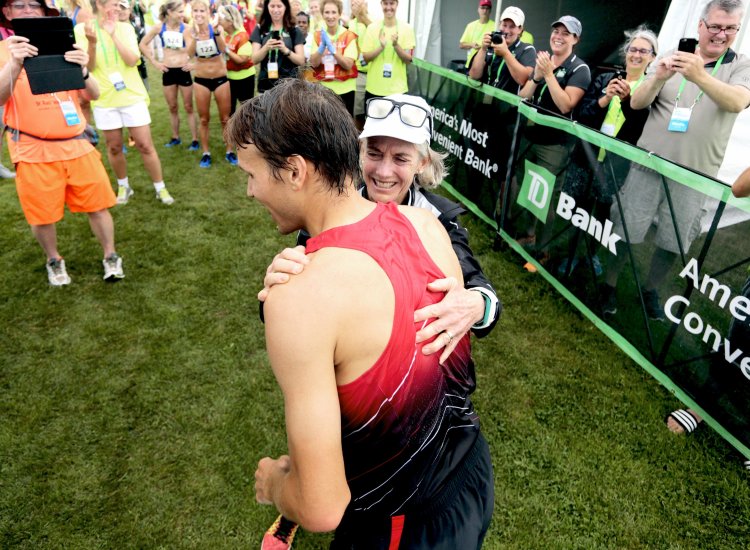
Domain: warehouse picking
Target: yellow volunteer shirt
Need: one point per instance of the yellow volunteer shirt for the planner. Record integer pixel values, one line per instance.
(377, 83)
(110, 66)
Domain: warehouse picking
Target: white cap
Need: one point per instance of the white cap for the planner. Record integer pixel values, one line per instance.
(391, 126)
(514, 14)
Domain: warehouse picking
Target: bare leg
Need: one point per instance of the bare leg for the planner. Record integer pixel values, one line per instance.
(113, 139)
(203, 103)
(187, 101)
(170, 94)
(223, 96)
(104, 229)
(145, 145)
(46, 236)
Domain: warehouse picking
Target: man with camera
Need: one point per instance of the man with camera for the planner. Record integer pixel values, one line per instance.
(503, 60)
(695, 97)
(55, 164)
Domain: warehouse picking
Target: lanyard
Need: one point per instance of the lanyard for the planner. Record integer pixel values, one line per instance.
(502, 63)
(100, 42)
(700, 93)
(616, 103)
(275, 52)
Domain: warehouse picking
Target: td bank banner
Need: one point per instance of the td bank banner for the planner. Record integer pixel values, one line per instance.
(655, 255)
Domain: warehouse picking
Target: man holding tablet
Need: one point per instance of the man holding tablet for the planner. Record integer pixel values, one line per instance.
(55, 164)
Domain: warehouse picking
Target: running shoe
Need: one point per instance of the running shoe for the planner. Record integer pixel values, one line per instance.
(194, 146)
(164, 196)
(174, 142)
(608, 300)
(231, 158)
(280, 535)
(57, 275)
(131, 141)
(112, 268)
(124, 149)
(205, 161)
(123, 194)
(653, 308)
(6, 173)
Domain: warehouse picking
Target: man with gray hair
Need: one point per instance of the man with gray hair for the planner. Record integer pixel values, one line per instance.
(695, 98)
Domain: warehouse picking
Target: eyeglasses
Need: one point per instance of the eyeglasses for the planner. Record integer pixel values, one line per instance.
(716, 29)
(411, 115)
(642, 51)
(26, 5)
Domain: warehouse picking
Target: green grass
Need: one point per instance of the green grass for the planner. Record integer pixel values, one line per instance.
(133, 415)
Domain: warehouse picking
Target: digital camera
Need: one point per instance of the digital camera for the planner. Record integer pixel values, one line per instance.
(497, 37)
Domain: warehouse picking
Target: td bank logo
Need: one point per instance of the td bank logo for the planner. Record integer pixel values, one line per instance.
(536, 190)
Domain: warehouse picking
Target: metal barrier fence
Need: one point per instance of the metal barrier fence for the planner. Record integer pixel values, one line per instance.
(554, 190)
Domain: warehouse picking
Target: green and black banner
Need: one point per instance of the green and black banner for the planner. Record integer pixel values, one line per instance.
(603, 221)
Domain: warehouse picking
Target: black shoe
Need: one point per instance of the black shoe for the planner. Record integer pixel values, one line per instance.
(651, 301)
(608, 300)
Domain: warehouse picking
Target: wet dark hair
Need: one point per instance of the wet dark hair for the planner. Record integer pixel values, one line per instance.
(297, 117)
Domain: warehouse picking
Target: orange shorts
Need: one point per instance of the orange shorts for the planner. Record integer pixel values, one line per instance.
(45, 188)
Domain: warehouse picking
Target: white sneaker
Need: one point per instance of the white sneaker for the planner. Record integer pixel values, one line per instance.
(6, 173)
(56, 273)
(123, 194)
(112, 268)
(164, 196)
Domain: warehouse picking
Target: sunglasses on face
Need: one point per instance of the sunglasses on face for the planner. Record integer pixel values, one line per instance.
(411, 115)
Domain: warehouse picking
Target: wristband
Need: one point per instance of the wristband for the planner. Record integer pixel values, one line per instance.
(535, 81)
(490, 308)
(87, 75)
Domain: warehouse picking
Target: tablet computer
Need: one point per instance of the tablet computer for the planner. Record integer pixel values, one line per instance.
(48, 71)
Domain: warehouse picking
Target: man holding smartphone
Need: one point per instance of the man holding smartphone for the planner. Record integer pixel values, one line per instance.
(55, 164)
(695, 98)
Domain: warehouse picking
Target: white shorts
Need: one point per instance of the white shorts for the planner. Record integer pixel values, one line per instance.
(113, 118)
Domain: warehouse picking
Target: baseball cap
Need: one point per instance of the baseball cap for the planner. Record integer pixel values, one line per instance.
(123, 3)
(571, 23)
(514, 14)
(402, 116)
(483, 3)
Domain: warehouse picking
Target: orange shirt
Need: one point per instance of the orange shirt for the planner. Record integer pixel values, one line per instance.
(41, 116)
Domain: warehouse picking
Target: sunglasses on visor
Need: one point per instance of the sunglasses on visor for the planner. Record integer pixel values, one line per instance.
(411, 115)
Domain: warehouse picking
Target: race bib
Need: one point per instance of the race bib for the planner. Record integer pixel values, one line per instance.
(387, 70)
(206, 48)
(172, 40)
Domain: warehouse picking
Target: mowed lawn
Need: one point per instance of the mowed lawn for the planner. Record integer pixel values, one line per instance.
(132, 415)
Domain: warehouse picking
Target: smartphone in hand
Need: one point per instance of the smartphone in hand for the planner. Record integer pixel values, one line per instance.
(687, 45)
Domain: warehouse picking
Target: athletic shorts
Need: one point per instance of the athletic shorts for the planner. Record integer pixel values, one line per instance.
(643, 198)
(113, 118)
(44, 188)
(176, 77)
(457, 519)
(211, 83)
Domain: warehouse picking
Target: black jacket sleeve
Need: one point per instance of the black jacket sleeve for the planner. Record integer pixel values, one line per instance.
(472, 272)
